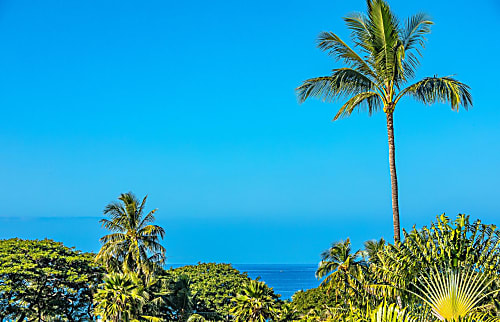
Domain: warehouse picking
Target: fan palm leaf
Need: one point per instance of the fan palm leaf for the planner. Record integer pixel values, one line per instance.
(452, 293)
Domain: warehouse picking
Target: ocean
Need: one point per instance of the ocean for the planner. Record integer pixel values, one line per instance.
(285, 279)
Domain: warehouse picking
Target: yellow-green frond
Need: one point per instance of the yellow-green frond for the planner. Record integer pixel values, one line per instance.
(440, 89)
(370, 100)
(343, 82)
(336, 47)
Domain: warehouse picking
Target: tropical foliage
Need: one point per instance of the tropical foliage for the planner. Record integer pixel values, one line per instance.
(453, 293)
(448, 271)
(378, 67)
(133, 245)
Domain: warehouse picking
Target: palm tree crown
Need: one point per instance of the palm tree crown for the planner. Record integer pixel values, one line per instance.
(383, 59)
(133, 245)
(339, 265)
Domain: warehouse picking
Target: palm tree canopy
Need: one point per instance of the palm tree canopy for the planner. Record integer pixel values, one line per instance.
(372, 248)
(342, 269)
(133, 244)
(384, 57)
(339, 257)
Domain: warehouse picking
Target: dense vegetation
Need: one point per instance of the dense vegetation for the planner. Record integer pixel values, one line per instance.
(447, 271)
(44, 280)
(213, 286)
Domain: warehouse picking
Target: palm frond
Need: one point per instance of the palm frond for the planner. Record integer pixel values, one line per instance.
(336, 47)
(342, 82)
(384, 28)
(440, 89)
(112, 225)
(360, 33)
(149, 218)
(371, 100)
(413, 39)
(391, 313)
(416, 27)
(113, 238)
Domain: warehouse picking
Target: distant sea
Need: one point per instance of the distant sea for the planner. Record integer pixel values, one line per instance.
(285, 279)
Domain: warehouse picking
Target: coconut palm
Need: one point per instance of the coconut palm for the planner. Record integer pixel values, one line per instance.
(340, 265)
(133, 245)
(387, 54)
(372, 248)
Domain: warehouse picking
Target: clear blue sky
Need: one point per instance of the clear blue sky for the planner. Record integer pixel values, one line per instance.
(193, 103)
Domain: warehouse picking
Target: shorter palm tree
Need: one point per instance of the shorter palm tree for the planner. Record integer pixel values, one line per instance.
(287, 313)
(340, 266)
(254, 303)
(373, 248)
(133, 245)
(120, 298)
(180, 298)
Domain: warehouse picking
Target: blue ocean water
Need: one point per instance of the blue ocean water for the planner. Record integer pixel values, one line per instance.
(285, 279)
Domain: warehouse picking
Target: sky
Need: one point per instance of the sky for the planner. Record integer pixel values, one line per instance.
(193, 104)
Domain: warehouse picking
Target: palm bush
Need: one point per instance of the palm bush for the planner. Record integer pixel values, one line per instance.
(120, 298)
(254, 303)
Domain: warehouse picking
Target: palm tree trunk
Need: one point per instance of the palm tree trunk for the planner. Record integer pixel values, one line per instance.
(394, 178)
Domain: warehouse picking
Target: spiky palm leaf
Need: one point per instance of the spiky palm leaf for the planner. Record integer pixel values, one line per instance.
(120, 298)
(391, 313)
(254, 303)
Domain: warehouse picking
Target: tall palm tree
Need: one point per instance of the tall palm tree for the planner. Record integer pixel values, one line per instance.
(133, 245)
(375, 78)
